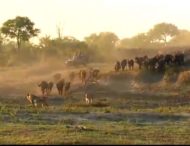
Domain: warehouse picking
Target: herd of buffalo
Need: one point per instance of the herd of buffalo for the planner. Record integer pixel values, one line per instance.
(155, 63)
(63, 86)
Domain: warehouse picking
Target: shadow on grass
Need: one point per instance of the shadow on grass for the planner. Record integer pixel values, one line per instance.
(72, 118)
(139, 117)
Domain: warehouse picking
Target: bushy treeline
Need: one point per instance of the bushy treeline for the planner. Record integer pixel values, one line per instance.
(17, 48)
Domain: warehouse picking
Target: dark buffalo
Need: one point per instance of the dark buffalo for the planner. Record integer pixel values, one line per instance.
(161, 65)
(123, 64)
(44, 87)
(50, 86)
(139, 61)
(117, 66)
(131, 64)
(60, 84)
(152, 63)
(168, 59)
(179, 59)
(95, 74)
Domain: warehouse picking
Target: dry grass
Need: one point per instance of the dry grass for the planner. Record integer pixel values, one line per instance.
(125, 110)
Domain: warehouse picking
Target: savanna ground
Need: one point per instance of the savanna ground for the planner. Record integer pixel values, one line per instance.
(131, 107)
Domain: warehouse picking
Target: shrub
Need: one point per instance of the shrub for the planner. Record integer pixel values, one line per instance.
(171, 74)
(184, 77)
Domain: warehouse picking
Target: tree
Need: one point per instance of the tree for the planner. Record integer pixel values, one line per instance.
(182, 39)
(1, 40)
(103, 41)
(139, 41)
(20, 28)
(45, 42)
(102, 45)
(163, 32)
(59, 32)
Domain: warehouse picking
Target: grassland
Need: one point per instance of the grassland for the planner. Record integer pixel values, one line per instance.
(124, 112)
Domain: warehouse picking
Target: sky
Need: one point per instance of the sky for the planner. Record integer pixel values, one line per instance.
(81, 18)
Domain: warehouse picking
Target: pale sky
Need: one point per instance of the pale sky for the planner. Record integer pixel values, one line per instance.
(80, 18)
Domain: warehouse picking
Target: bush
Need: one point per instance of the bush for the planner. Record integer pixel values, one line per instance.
(184, 77)
(171, 74)
(149, 76)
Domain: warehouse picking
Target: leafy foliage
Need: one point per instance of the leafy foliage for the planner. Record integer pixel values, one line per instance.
(100, 47)
(182, 39)
(163, 32)
(102, 44)
(20, 28)
(138, 41)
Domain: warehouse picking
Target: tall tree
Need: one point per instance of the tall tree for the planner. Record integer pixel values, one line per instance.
(20, 28)
(163, 32)
(1, 40)
(103, 41)
(141, 40)
(182, 39)
(59, 31)
(102, 45)
(45, 42)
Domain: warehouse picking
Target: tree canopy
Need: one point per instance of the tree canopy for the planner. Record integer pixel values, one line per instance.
(182, 39)
(138, 41)
(102, 44)
(163, 32)
(99, 46)
(20, 28)
(104, 40)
